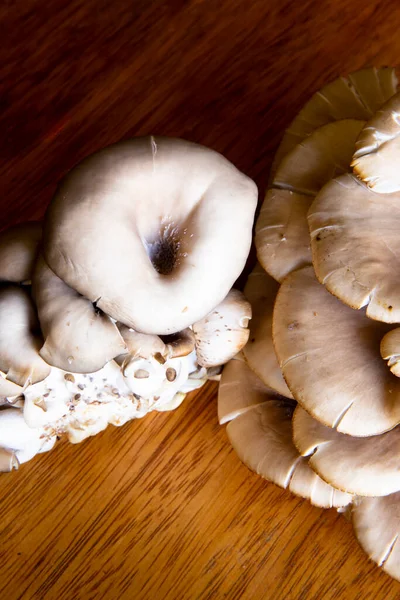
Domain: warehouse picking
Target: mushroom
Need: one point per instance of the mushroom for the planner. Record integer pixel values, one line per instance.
(179, 344)
(259, 352)
(375, 160)
(390, 350)
(357, 97)
(355, 246)
(366, 466)
(21, 441)
(329, 356)
(78, 337)
(142, 344)
(19, 338)
(153, 230)
(376, 523)
(223, 332)
(282, 238)
(18, 249)
(260, 431)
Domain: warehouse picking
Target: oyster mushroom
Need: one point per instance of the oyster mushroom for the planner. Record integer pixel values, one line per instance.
(355, 246)
(20, 339)
(223, 332)
(357, 97)
(376, 523)
(18, 250)
(78, 337)
(259, 352)
(181, 210)
(260, 431)
(366, 466)
(375, 160)
(282, 238)
(18, 439)
(329, 356)
(390, 350)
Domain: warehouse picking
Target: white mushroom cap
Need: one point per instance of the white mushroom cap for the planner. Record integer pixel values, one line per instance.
(77, 336)
(16, 436)
(19, 343)
(259, 352)
(364, 466)
(261, 434)
(329, 355)
(378, 149)
(223, 332)
(357, 97)
(282, 237)
(18, 249)
(154, 230)
(376, 523)
(355, 245)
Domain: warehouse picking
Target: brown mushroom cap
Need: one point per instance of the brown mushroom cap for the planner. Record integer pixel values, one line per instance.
(364, 466)
(377, 152)
(282, 238)
(18, 250)
(376, 523)
(154, 230)
(355, 246)
(78, 337)
(19, 340)
(357, 97)
(329, 356)
(259, 351)
(261, 434)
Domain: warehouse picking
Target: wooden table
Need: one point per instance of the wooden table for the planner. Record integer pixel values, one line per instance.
(162, 508)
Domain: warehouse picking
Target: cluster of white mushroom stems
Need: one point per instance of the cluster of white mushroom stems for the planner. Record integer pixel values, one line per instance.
(312, 403)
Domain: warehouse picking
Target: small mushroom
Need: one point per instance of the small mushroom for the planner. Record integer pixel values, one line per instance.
(260, 431)
(142, 345)
(78, 337)
(19, 342)
(179, 344)
(355, 246)
(170, 214)
(367, 466)
(329, 356)
(376, 523)
(18, 250)
(222, 333)
(390, 350)
(259, 351)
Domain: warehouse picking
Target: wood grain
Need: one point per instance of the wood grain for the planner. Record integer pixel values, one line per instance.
(162, 508)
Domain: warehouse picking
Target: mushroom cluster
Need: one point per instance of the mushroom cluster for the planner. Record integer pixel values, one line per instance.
(312, 403)
(121, 301)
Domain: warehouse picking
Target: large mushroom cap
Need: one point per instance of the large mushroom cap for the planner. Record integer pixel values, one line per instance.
(77, 336)
(18, 250)
(282, 237)
(329, 355)
(378, 149)
(19, 339)
(364, 466)
(376, 523)
(355, 246)
(261, 434)
(357, 97)
(259, 352)
(154, 230)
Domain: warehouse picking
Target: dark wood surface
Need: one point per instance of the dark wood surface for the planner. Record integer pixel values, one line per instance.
(162, 508)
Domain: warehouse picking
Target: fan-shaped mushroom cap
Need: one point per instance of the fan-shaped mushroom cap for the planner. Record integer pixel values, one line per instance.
(390, 350)
(19, 343)
(222, 333)
(282, 237)
(355, 246)
(18, 250)
(357, 97)
(154, 230)
(376, 523)
(329, 356)
(259, 352)
(364, 466)
(377, 152)
(77, 336)
(261, 434)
